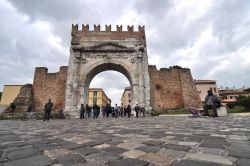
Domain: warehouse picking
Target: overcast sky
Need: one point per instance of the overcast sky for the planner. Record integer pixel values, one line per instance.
(211, 37)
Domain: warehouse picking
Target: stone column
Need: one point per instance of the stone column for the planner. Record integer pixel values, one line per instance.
(141, 81)
(146, 80)
(72, 89)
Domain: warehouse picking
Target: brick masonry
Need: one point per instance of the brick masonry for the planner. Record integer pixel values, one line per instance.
(49, 86)
(172, 88)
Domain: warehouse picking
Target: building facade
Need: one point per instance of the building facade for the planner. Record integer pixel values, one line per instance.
(203, 86)
(229, 95)
(126, 97)
(98, 96)
(9, 94)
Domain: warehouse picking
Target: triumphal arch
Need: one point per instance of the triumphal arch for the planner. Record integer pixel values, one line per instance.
(95, 51)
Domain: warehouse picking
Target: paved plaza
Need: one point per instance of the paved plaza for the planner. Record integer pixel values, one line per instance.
(178, 141)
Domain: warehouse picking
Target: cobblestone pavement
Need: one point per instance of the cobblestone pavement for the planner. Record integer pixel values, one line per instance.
(150, 141)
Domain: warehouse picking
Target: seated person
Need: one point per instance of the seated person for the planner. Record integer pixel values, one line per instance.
(211, 102)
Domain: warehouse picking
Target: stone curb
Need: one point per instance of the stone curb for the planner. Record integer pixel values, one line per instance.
(229, 114)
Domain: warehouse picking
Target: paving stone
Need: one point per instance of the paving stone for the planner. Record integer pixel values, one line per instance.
(157, 159)
(209, 158)
(181, 137)
(148, 149)
(176, 147)
(195, 163)
(153, 143)
(86, 151)
(213, 143)
(242, 151)
(13, 144)
(38, 160)
(104, 157)
(57, 152)
(172, 153)
(93, 143)
(114, 142)
(22, 153)
(213, 151)
(188, 143)
(128, 162)
(71, 159)
(71, 146)
(129, 145)
(133, 153)
(102, 146)
(115, 150)
(243, 162)
(193, 138)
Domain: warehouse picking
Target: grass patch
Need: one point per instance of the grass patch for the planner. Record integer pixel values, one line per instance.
(237, 109)
(28, 116)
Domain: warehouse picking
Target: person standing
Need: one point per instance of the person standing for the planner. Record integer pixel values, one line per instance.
(12, 108)
(125, 111)
(88, 110)
(95, 110)
(47, 110)
(82, 111)
(137, 109)
(116, 109)
(143, 111)
(108, 110)
(211, 102)
(128, 110)
(121, 110)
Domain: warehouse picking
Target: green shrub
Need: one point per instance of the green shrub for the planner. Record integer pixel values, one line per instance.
(244, 101)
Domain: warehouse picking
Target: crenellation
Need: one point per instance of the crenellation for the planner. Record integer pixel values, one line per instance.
(108, 28)
(85, 28)
(97, 28)
(119, 28)
(141, 28)
(130, 28)
(74, 28)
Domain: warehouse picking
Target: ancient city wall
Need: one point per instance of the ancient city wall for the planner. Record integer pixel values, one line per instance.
(172, 88)
(49, 86)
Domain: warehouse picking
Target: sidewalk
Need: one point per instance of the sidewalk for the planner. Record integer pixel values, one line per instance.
(229, 114)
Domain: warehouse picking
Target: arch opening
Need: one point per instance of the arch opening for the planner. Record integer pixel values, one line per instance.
(106, 67)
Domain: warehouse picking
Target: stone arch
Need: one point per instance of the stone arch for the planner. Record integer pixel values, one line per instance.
(100, 67)
(104, 66)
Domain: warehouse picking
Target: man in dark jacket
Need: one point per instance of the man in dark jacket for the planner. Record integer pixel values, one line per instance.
(47, 110)
(211, 102)
(88, 110)
(137, 108)
(82, 111)
(129, 111)
(12, 108)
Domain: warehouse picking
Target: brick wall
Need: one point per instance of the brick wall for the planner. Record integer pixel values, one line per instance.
(49, 86)
(172, 88)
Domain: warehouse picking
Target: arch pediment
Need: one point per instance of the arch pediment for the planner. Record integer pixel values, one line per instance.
(103, 47)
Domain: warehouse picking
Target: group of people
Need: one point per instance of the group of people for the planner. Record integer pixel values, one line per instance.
(211, 102)
(109, 112)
